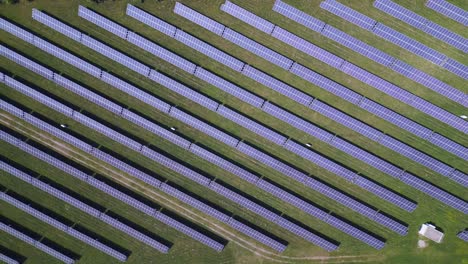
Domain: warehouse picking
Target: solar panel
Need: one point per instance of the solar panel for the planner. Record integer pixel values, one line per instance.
(257, 49)
(223, 163)
(16, 31)
(203, 21)
(150, 20)
(7, 259)
(115, 55)
(102, 22)
(55, 24)
(67, 57)
(456, 67)
(307, 235)
(229, 87)
(449, 10)
(449, 145)
(459, 177)
(297, 122)
(53, 252)
(161, 216)
(463, 235)
(11, 109)
(348, 14)
(184, 90)
(209, 50)
(277, 85)
(88, 95)
(135, 92)
(106, 131)
(272, 243)
(319, 160)
(245, 15)
(419, 22)
(61, 226)
(25, 62)
(17, 86)
(299, 16)
(175, 166)
(161, 52)
(241, 200)
(251, 125)
(306, 47)
(204, 127)
(325, 83)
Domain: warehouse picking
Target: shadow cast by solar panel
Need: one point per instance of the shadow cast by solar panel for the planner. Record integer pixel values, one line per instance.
(196, 227)
(261, 230)
(394, 219)
(184, 163)
(12, 254)
(140, 229)
(102, 239)
(22, 54)
(60, 157)
(132, 163)
(21, 228)
(251, 198)
(114, 127)
(72, 193)
(199, 198)
(14, 103)
(300, 224)
(45, 92)
(127, 191)
(359, 227)
(18, 166)
(55, 245)
(12, 132)
(40, 208)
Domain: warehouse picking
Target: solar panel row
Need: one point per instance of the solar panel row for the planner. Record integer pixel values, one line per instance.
(463, 235)
(83, 207)
(29, 240)
(396, 37)
(116, 194)
(371, 52)
(420, 22)
(63, 227)
(7, 259)
(230, 112)
(449, 10)
(353, 97)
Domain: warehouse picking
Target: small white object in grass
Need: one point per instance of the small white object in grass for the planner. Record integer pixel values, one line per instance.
(308, 145)
(173, 128)
(464, 116)
(63, 125)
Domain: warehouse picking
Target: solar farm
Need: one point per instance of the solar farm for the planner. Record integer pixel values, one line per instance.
(215, 131)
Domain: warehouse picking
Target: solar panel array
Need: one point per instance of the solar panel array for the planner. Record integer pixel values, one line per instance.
(449, 10)
(396, 37)
(369, 51)
(419, 22)
(273, 83)
(7, 259)
(230, 112)
(63, 227)
(358, 73)
(463, 235)
(84, 207)
(33, 242)
(362, 128)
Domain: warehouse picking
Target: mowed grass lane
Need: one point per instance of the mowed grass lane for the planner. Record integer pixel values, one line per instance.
(116, 12)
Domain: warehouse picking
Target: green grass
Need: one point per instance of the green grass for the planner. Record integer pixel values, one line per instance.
(398, 249)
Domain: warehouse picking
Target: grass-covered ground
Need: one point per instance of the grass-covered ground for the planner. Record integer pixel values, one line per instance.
(398, 249)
